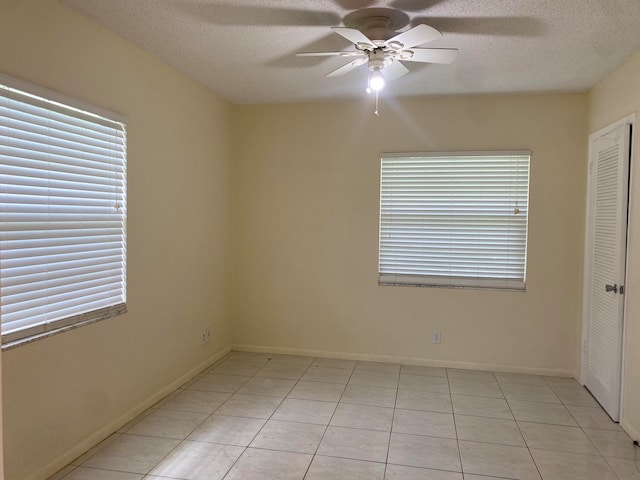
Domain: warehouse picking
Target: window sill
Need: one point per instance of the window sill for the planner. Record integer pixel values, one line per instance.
(39, 336)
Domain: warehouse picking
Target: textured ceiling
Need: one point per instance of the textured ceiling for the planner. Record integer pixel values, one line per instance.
(244, 50)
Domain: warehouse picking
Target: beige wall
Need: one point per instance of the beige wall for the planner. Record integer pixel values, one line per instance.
(62, 393)
(613, 99)
(305, 210)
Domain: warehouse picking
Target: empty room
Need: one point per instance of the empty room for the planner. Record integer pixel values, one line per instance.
(332, 239)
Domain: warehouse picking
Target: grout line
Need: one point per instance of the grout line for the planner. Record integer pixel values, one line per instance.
(393, 417)
(455, 425)
(521, 434)
(265, 421)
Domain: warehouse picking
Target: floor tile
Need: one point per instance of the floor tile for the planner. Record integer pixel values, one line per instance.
(382, 367)
(401, 472)
(426, 452)
(529, 393)
(253, 357)
(481, 406)
(82, 473)
(261, 416)
(238, 431)
(328, 392)
(426, 371)
(289, 437)
(300, 361)
(625, 469)
(571, 466)
(375, 396)
(92, 451)
(470, 476)
(288, 372)
(421, 400)
(479, 375)
(520, 378)
(326, 374)
(132, 453)
(331, 468)
(374, 379)
(136, 420)
(557, 437)
(198, 461)
(463, 386)
(334, 363)
(214, 382)
(550, 413)
(269, 387)
(256, 464)
(561, 381)
(489, 430)
(248, 356)
(231, 367)
(425, 383)
(196, 401)
(497, 460)
(424, 423)
(60, 474)
(579, 396)
(168, 424)
(355, 444)
(166, 399)
(590, 417)
(249, 406)
(363, 416)
(305, 411)
(613, 444)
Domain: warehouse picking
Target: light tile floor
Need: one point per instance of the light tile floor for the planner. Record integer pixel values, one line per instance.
(257, 416)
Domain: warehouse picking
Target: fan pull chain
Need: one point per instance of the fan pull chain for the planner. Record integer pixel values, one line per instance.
(376, 110)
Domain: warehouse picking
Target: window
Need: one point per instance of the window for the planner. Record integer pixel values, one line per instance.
(62, 214)
(454, 219)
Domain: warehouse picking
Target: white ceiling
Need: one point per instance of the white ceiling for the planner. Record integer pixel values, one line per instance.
(244, 50)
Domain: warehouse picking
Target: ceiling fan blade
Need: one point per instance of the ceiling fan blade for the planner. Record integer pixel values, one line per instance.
(348, 67)
(433, 55)
(393, 71)
(415, 5)
(416, 36)
(353, 35)
(329, 54)
(354, 4)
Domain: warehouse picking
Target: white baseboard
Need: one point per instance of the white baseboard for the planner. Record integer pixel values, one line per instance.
(631, 431)
(113, 426)
(552, 372)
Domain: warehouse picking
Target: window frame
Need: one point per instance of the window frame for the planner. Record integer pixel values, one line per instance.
(448, 281)
(61, 102)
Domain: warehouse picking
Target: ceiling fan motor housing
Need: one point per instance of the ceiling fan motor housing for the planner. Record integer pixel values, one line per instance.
(377, 28)
(378, 59)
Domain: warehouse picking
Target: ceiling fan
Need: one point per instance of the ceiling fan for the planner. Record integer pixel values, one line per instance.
(383, 51)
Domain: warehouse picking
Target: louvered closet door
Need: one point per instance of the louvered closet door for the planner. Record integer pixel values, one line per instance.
(609, 188)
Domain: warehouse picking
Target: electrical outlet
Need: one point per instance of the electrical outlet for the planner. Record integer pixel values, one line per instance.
(436, 337)
(208, 334)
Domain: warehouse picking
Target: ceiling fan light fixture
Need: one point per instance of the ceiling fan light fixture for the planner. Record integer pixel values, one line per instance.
(395, 46)
(405, 55)
(364, 46)
(376, 81)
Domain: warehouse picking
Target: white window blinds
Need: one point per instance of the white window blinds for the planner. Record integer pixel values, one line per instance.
(62, 215)
(454, 219)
